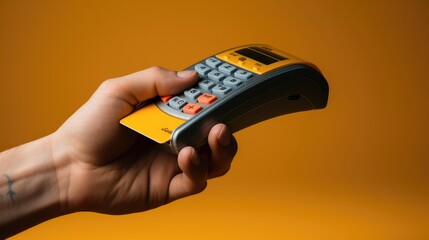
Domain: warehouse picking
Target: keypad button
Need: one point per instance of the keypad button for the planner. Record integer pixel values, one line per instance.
(192, 93)
(213, 62)
(165, 98)
(216, 75)
(202, 69)
(217, 79)
(244, 75)
(206, 98)
(227, 68)
(206, 84)
(232, 82)
(221, 90)
(192, 108)
(177, 103)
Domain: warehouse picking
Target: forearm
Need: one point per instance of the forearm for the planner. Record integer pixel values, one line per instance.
(29, 191)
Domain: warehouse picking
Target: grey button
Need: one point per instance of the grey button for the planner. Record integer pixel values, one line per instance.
(241, 74)
(232, 82)
(227, 68)
(177, 103)
(206, 84)
(192, 93)
(202, 69)
(213, 62)
(216, 75)
(221, 90)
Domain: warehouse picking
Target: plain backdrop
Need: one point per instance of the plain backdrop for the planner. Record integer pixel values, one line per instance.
(355, 170)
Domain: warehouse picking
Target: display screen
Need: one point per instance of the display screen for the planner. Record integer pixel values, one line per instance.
(261, 55)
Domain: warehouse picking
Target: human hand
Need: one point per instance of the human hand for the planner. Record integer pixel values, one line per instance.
(105, 167)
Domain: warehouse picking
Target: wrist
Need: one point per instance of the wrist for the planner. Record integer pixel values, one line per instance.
(61, 165)
(29, 177)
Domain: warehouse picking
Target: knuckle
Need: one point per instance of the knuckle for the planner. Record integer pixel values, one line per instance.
(222, 171)
(155, 70)
(109, 86)
(107, 83)
(201, 188)
(195, 188)
(234, 148)
(225, 170)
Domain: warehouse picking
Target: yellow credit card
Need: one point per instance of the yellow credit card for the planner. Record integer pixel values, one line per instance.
(153, 123)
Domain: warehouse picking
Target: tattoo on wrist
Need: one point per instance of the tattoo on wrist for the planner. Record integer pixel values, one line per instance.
(10, 191)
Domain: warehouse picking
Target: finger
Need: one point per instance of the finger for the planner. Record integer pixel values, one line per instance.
(223, 148)
(155, 81)
(193, 178)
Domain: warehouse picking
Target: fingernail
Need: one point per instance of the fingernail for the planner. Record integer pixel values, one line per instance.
(185, 73)
(224, 137)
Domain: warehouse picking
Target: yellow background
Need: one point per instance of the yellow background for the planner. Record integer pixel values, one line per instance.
(355, 170)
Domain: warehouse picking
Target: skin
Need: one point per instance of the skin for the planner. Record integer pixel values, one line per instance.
(92, 163)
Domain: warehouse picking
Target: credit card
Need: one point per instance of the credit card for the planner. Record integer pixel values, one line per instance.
(153, 123)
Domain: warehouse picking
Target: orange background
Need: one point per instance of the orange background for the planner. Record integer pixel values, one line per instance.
(355, 170)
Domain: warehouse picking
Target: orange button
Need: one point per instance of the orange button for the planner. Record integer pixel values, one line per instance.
(206, 98)
(192, 108)
(166, 98)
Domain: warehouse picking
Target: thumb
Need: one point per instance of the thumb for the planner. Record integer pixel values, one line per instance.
(143, 85)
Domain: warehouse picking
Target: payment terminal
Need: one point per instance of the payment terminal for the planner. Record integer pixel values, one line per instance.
(238, 87)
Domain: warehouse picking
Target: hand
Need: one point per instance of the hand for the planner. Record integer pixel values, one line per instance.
(105, 167)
